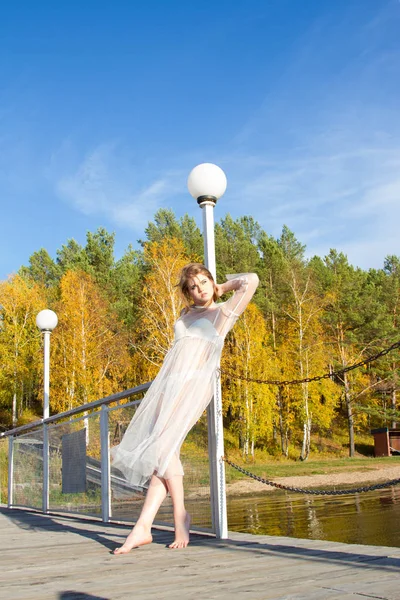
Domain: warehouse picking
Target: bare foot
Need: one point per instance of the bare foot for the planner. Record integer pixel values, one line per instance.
(181, 533)
(139, 536)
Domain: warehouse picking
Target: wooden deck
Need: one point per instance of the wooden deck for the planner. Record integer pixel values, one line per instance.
(61, 558)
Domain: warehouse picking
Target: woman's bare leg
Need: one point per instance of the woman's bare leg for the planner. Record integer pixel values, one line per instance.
(141, 533)
(181, 516)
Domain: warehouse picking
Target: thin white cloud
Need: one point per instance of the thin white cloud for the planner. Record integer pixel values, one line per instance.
(345, 196)
(349, 200)
(107, 183)
(382, 197)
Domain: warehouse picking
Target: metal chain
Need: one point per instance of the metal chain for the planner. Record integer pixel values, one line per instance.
(369, 488)
(364, 362)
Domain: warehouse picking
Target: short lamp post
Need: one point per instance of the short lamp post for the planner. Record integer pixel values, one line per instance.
(207, 183)
(46, 320)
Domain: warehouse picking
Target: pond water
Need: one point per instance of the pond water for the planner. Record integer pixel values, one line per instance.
(365, 518)
(371, 518)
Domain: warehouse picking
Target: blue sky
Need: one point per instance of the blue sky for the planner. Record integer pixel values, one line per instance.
(105, 107)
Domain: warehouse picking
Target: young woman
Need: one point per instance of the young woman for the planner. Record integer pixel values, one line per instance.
(148, 454)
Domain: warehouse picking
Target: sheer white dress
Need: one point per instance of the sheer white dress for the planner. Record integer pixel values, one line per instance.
(182, 389)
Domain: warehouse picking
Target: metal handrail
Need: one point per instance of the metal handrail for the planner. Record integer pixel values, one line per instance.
(74, 411)
(47, 477)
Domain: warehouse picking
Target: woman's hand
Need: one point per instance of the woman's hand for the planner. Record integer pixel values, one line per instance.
(234, 283)
(219, 290)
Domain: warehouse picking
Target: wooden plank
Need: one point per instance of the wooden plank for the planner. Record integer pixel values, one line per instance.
(59, 558)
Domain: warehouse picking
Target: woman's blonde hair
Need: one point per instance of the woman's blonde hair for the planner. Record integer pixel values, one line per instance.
(187, 273)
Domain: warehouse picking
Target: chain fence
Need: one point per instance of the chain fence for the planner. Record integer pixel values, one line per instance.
(329, 375)
(283, 383)
(313, 492)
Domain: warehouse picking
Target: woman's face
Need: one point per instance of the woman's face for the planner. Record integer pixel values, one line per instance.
(201, 289)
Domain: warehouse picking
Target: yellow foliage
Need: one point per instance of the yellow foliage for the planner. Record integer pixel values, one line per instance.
(20, 342)
(160, 306)
(247, 356)
(302, 354)
(89, 351)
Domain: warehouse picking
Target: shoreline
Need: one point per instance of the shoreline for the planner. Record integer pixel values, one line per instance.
(344, 478)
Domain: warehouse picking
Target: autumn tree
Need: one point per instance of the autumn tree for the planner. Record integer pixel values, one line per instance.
(89, 348)
(292, 304)
(20, 343)
(277, 258)
(159, 305)
(305, 346)
(248, 406)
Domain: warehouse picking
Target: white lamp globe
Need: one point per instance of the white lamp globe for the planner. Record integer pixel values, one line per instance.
(207, 181)
(46, 320)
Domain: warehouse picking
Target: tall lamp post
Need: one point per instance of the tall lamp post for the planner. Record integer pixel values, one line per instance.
(46, 320)
(207, 183)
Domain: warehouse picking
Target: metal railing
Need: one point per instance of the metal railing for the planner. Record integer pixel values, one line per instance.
(62, 464)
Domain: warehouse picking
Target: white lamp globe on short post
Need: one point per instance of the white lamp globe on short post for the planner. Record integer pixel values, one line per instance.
(46, 320)
(207, 183)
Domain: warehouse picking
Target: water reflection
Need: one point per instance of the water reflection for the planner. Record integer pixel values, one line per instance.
(368, 518)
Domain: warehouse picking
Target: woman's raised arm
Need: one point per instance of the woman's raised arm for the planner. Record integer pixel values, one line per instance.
(243, 285)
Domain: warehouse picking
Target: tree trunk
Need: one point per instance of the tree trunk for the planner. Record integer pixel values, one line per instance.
(394, 404)
(305, 449)
(245, 445)
(350, 419)
(14, 410)
(286, 442)
(394, 394)
(283, 437)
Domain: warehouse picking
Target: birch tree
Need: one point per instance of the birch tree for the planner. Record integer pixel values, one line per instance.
(20, 344)
(90, 349)
(159, 307)
(246, 356)
(308, 352)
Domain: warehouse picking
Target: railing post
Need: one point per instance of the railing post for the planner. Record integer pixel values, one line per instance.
(105, 465)
(10, 471)
(217, 465)
(45, 498)
(214, 410)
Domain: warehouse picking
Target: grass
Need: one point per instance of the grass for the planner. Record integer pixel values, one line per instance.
(329, 456)
(313, 466)
(195, 458)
